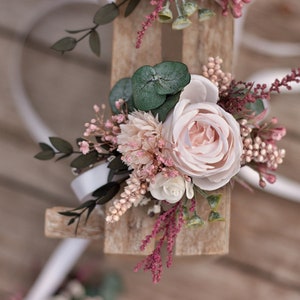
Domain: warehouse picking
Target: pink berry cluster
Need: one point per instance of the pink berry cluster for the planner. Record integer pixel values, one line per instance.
(214, 73)
(261, 153)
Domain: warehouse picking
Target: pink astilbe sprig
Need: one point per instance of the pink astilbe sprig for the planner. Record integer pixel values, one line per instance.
(101, 132)
(169, 225)
(158, 5)
(133, 193)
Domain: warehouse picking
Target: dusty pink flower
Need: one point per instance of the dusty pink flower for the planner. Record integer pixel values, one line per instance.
(205, 143)
(139, 139)
(84, 147)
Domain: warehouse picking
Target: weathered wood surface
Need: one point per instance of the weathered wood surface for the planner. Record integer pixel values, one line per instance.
(125, 236)
(200, 41)
(56, 225)
(263, 262)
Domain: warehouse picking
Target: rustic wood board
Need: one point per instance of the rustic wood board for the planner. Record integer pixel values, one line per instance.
(211, 238)
(56, 225)
(200, 41)
(125, 236)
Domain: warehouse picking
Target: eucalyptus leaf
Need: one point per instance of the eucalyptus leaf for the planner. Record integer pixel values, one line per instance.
(85, 160)
(144, 89)
(215, 216)
(194, 221)
(214, 201)
(121, 90)
(61, 145)
(94, 42)
(45, 155)
(166, 107)
(65, 44)
(257, 107)
(131, 7)
(106, 14)
(172, 77)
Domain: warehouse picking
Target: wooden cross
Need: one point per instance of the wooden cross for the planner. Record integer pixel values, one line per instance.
(213, 37)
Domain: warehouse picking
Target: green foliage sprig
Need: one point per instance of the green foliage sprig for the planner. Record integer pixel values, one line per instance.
(102, 195)
(104, 15)
(156, 89)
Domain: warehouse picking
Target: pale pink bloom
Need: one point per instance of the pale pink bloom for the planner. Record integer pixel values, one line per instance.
(84, 147)
(200, 89)
(170, 189)
(205, 143)
(139, 139)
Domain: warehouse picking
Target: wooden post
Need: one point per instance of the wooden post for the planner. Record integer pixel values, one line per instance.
(125, 236)
(210, 38)
(213, 37)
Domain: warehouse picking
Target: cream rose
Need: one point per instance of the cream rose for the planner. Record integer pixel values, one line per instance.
(170, 189)
(205, 141)
(200, 89)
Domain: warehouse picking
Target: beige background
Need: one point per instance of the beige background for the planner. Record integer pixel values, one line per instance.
(264, 259)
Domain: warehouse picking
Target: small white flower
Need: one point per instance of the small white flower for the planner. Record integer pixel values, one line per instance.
(170, 189)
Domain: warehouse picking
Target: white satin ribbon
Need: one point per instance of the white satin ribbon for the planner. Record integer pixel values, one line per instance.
(85, 184)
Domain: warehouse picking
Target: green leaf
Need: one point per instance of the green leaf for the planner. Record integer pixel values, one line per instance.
(214, 201)
(257, 107)
(71, 221)
(121, 90)
(64, 44)
(45, 155)
(63, 156)
(61, 145)
(69, 213)
(78, 30)
(90, 210)
(94, 42)
(215, 216)
(131, 7)
(194, 221)
(166, 107)
(172, 77)
(45, 146)
(117, 164)
(85, 204)
(144, 89)
(106, 14)
(83, 161)
(106, 192)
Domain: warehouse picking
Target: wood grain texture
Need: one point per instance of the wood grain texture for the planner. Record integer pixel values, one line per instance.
(125, 236)
(56, 225)
(211, 238)
(213, 37)
(200, 41)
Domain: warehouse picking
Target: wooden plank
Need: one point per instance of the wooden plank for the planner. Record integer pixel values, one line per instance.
(56, 225)
(125, 236)
(212, 238)
(200, 41)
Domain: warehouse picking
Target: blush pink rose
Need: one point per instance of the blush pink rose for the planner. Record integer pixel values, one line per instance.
(204, 140)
